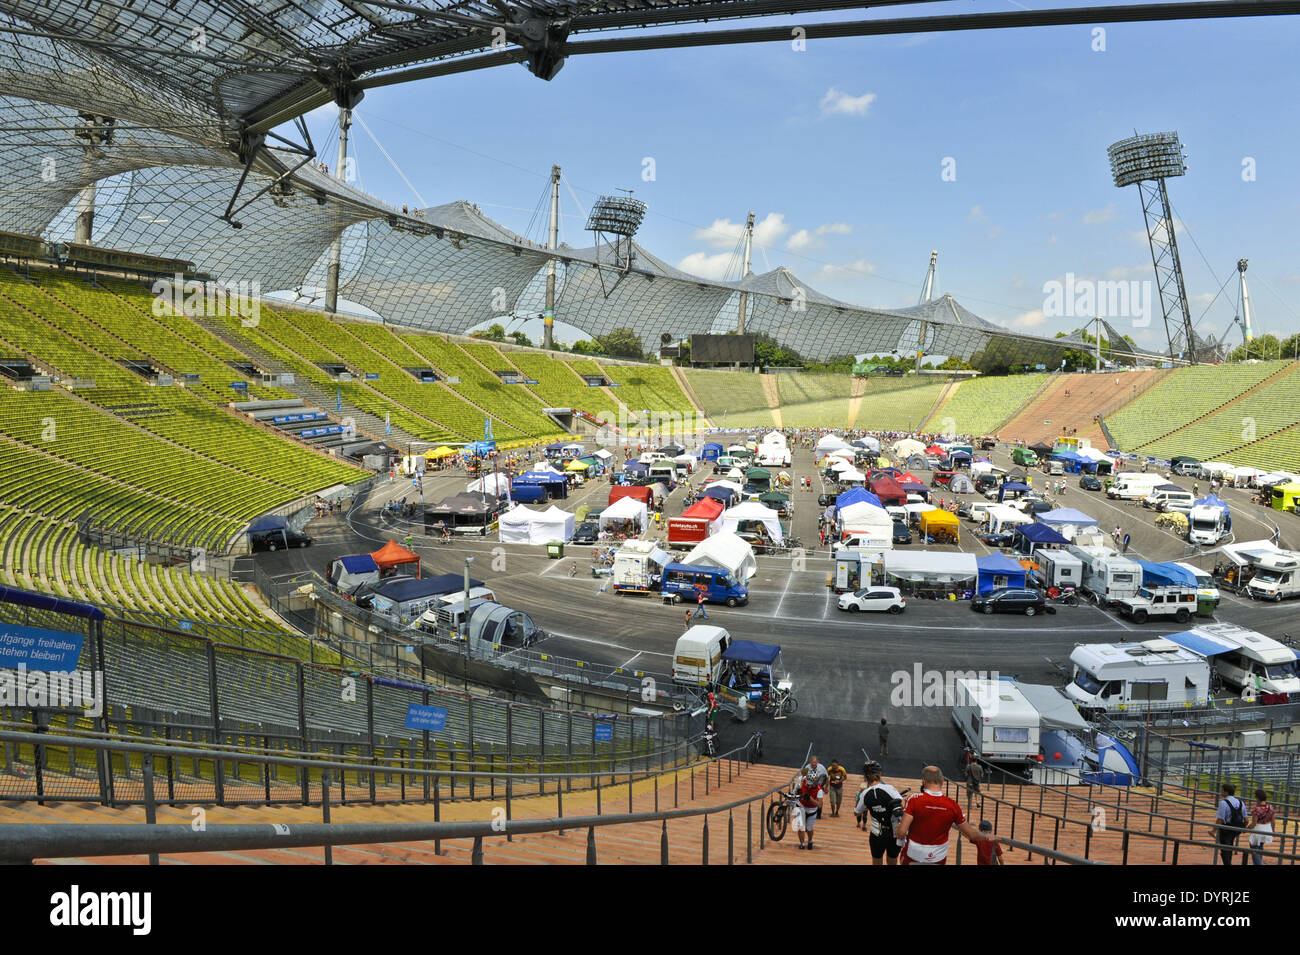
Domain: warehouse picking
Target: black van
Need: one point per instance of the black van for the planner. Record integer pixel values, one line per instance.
(274, 539)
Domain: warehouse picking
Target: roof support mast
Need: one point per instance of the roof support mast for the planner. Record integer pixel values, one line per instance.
(744, 273)
(336, 247)
(552, 243)
(1247, 334)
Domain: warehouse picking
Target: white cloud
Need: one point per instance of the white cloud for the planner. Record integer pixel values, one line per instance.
(1053, 239)
(724, 234)
(995, 232)
(1028, 319)
(805, 239)
(856, 267)
(707, 266)
(976, 214)
(1129, 272)
(1097, 216)
(838, 103)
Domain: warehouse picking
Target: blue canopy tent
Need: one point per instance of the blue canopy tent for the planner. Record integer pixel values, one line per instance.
(1067, 521)
(1011, 487)
(749, 666)
(747, 651)
(959, 459)
(711, 451)
(481, 447)
(1166, 575)
(855, 494)
(999, 570)
(636, 467)
(554, 485)
(1027, 538)
(1074, 462)
(1211, 500)
(723, 494)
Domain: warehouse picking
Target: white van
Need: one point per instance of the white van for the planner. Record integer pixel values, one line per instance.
(1110, 676)
(1169, 497)
(1133, 485)
(978, 511)
(697, 659)
(1277, 576)
(996, 720)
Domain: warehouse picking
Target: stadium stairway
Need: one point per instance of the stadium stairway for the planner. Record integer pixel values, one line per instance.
(944, 394)
(690, 394)
(773, 395)
(857, 391)
(1073, 820)
(1072, 402)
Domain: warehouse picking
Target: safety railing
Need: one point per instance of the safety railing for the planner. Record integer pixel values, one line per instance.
(1141, 832)
(24, 843)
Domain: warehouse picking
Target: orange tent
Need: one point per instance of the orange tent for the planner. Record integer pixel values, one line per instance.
(393, 555)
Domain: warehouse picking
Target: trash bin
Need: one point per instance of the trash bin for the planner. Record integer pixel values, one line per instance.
(555, 549)
(1204, 606)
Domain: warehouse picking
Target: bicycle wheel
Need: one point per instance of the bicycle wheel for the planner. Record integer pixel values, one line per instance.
(789, 706)
(778, 817)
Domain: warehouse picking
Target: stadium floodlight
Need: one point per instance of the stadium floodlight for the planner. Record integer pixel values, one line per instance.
(1146, 161)
(616, 215)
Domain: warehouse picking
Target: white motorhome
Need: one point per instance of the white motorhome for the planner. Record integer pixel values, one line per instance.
(637, 564)
(1277, 576)
(697, 658)
(1170, 497)
(1207, 524)
(1110, 676)
(1133, 485)
(1107, 575)
(1059, 567)
(996, 720)
(1245, 659)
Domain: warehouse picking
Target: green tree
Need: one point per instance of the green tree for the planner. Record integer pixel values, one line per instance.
(1264, 347)
(620, 343)
(493, 333)
(585, 347)
(519, 338)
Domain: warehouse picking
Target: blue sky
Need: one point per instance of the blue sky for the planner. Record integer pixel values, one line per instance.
(839, 150)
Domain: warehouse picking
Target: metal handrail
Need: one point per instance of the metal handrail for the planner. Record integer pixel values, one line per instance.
(25, 842)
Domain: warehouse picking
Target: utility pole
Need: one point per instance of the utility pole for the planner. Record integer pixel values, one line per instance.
(336, 247)
(552, 243)
(744, 272)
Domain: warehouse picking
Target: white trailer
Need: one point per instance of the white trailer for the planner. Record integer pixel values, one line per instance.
(1153, 673)
(1108, 575)
(636, 566)
(1059, 567)
(996, 720)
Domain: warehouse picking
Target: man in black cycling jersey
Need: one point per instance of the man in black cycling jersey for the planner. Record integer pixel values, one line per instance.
(882, 805)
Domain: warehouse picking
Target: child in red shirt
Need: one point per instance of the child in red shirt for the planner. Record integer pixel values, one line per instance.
(990, 853)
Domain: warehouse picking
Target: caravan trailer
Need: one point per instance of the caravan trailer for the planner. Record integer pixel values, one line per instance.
(1107, 575)
(996, 720)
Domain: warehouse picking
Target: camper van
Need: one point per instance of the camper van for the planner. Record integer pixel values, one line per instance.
(1109, 676)
(717, 584)
(697, 658)
(637, 566)
(448, 612)
(996, 720)
(1207, 524)
(1133, 485)
(1107, 575)
(1244, 659)
(1277, 576)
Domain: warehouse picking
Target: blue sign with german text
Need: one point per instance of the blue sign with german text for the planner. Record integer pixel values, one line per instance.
(604, 732)
(39, 649)
(421, 717)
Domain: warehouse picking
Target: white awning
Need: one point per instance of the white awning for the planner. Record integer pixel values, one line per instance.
(928, 566)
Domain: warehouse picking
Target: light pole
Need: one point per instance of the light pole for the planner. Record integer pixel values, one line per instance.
(465, 609)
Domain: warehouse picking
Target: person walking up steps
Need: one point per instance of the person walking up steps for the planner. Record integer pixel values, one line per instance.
(880, 806)
(835, 776)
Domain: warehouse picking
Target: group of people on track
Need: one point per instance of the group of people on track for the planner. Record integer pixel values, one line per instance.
(913, 827)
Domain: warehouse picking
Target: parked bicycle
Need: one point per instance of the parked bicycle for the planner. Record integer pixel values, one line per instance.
(778, 702)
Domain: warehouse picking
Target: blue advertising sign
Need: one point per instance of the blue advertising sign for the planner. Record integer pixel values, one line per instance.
(39, 649)
(604, 732)
(372, 376)
(239, 385)
(421, 717)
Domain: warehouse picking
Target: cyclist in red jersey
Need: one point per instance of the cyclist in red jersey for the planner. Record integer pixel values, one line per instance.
(927, 818)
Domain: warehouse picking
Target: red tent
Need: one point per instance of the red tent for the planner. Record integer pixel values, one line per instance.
(908, 478)
(393, 555)
(639, 491)
(887, 489)
(935, 450)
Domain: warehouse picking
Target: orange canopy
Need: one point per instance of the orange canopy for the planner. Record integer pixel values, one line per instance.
(394, 554)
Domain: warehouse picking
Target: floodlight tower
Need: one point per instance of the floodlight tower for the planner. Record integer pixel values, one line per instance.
(613, 221)
(552, 243)
(1148, 160)
(1247, 334)
(744, 272)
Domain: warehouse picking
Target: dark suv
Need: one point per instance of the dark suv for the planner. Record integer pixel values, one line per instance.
(275, 539)
(1010, 600)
